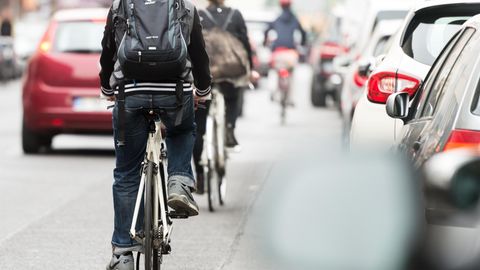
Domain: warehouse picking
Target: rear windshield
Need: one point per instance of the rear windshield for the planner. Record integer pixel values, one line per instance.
(79, 37)
(431, 29)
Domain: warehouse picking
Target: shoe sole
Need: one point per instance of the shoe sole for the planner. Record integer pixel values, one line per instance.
(180, 204)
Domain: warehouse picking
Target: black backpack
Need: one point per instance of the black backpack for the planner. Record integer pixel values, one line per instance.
(150, 39)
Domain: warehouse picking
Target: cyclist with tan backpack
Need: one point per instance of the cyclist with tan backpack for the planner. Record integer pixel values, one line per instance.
(230, 53)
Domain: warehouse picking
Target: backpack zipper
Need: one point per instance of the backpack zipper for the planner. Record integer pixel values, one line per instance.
(139, 56)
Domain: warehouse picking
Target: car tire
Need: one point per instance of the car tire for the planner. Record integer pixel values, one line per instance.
(318, 96)
(33, 142)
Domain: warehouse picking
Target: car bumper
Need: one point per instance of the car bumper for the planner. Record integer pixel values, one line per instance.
(372, 127)
(56, 110)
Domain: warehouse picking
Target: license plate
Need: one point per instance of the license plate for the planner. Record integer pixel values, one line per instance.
(89, 104)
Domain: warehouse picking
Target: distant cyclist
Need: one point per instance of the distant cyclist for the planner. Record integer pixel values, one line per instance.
(134, 64)
(285, 27)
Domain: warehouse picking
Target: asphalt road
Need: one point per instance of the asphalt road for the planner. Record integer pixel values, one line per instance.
(56, 208)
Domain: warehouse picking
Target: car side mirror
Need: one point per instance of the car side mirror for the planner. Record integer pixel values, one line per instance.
(453, 178)
(397, 105)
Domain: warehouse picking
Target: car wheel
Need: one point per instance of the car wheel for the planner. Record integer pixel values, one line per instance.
(33, 142)
(318, 96)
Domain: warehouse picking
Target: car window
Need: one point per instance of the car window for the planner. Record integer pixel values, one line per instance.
(422, 94)
(476, 101)
(79, 37)
(432, 28)
(450, 70)
(381, 45)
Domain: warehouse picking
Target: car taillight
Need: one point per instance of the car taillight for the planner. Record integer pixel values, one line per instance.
(359, 80)
(330, 50)
(462, 138)
(383, 84)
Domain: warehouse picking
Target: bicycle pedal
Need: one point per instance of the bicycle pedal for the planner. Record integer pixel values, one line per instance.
(177, 215)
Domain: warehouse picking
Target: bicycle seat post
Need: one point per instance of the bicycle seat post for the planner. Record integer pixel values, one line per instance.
(151, 121)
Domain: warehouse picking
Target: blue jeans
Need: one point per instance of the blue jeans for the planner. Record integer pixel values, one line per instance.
(180, 140)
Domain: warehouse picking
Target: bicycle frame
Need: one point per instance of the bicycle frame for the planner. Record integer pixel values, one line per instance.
(156, 153)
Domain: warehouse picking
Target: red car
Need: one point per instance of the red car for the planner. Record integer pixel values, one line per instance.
(61, 88)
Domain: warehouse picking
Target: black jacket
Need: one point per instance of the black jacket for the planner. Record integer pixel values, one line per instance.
(237, 26)
(196, 50)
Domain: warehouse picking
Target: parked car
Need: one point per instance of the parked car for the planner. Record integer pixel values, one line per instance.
(328, 46)
(428, 27)
(9, 68)
(61, 88)
(359, 23)
(451, 181)
(444, 117)
(357, 73)
(445, 112)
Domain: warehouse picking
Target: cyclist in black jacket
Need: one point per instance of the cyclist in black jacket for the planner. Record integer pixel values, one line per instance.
(180, 138)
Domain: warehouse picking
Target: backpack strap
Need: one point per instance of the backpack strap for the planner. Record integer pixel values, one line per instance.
(190, 9)
(210, 17)
(115, 5)
(229, 19)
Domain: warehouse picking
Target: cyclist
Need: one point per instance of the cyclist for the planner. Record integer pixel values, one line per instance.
(285, 27)
(231, 93)
(238, 28)
(179, 139)
(285, 55)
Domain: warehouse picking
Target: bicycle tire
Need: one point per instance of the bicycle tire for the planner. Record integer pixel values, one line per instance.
(151, 255)
(210, 191)
(211, 168)
(222, 189)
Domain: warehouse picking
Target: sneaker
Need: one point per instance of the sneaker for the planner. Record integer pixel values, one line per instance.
(200, 183)
(121, 262)
(231, 141)
(180, 199)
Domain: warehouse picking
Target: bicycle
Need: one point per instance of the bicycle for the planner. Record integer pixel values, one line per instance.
(157, 223)
(284, 61)
(284, 81)
(215, 152)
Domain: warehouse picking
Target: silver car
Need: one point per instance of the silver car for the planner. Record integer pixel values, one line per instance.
(445, 113)
(428, 27)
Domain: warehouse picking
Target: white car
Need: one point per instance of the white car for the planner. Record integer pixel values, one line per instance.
(360, 20)
(426, 30)
(356, 76)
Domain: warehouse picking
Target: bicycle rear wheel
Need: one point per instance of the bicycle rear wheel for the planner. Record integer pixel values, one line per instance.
(222, 188)
(284, 88)
(151, 254)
